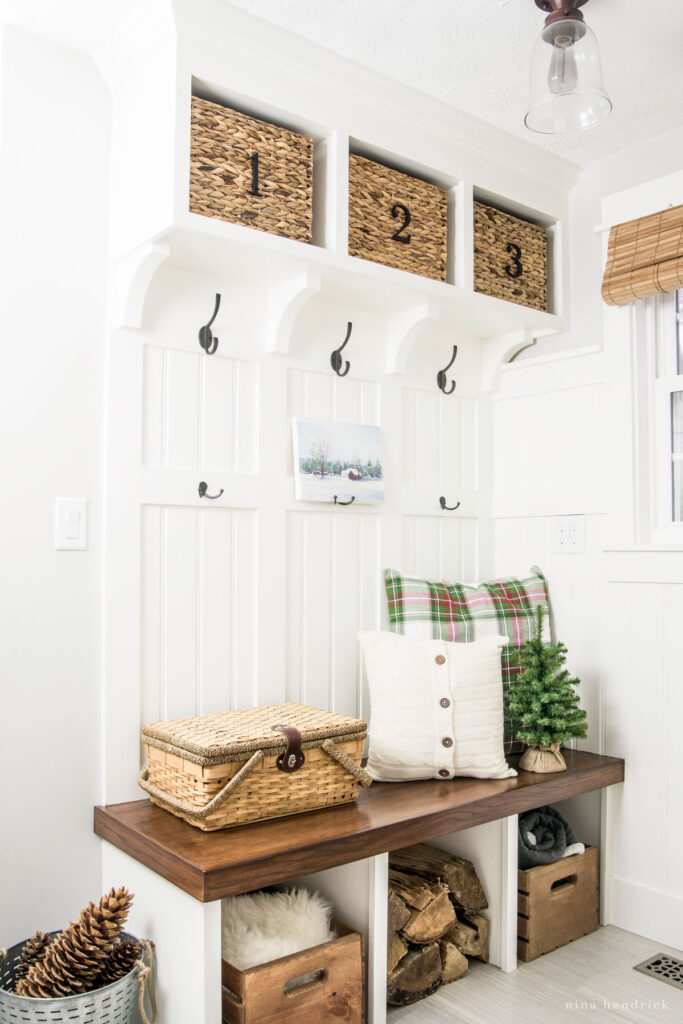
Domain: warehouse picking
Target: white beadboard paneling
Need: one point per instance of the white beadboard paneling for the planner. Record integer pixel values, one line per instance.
(469, 445)
(179, 612)
(437, 547)
(199, 611)
(440, 440)
(152, 586)
(247, 421)
(245, 604)
(153, 406)
(333, 591)
(181, 402)
(199, 411)
(218, 387)
(215, 610)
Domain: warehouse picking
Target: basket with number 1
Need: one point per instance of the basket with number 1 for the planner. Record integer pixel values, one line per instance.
(250, 172)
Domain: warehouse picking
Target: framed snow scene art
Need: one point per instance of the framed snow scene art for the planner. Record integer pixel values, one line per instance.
(337, 462)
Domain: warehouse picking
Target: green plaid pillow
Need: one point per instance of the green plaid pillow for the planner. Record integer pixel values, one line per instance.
(453, 611)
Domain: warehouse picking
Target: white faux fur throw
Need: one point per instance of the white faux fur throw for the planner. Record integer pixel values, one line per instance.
(263, 926)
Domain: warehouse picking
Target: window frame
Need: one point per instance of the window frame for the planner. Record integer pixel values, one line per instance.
(667, 335)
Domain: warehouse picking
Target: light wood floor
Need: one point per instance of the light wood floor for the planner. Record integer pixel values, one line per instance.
(590, 981)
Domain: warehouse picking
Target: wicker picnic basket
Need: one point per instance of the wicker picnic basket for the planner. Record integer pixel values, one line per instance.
(217, 771)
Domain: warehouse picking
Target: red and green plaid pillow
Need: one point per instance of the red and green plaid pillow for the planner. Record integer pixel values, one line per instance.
(452, 611)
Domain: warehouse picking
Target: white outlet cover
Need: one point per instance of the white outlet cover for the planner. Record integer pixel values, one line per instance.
(577, 535)
(560, 534)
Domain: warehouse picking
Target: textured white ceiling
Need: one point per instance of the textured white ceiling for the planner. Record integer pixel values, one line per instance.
(473, 54)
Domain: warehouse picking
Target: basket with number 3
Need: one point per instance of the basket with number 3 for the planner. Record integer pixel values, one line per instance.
(510, 257)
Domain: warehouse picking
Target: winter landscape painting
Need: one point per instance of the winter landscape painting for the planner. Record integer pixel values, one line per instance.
(341, 460)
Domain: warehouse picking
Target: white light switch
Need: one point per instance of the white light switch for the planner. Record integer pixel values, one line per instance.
(71, 524)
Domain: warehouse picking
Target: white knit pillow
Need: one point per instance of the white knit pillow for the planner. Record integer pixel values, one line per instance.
(425, 692)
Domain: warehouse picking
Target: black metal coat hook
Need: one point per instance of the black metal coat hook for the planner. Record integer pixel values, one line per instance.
(441, 375)
(202, 489)
(206, 338)
(336, 359)
(447, 508)
(353, 496)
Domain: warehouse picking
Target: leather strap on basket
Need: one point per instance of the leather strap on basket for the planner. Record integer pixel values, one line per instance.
(335, 752)
(144, 977)
(220, 798)
(293, 757)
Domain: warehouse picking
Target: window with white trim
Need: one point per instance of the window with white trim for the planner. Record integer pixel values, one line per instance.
(668, 418)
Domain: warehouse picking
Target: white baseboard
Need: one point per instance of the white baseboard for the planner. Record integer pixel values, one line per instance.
(649, 912)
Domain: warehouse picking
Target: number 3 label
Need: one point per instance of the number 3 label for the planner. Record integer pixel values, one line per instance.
(516, 269)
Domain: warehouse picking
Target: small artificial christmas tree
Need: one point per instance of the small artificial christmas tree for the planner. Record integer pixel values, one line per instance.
(542, 704)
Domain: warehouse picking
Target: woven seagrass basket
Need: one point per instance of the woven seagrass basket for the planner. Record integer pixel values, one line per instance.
(217, 771)
(396, 219)
(250, 172)
(510, 258)
(118, 1003)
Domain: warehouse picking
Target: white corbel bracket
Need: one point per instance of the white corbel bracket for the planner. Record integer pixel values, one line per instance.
(402, 331)
(131, 279)
(497, 351)
(285, 302)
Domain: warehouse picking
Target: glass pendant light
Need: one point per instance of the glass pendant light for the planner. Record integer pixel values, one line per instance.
(566, 77)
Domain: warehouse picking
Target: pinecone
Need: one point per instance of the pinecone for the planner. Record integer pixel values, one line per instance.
(33, 951)
(76, 956)
(120, 961)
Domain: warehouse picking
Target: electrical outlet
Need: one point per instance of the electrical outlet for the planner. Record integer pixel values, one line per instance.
(569, 535)
(576, 539)
(560, 535)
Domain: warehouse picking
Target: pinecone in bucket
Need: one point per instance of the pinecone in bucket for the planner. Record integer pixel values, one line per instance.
(32, 952)
(120, 961)
(76, 956)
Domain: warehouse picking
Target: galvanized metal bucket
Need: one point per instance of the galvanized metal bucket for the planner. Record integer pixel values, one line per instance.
(122, 1002)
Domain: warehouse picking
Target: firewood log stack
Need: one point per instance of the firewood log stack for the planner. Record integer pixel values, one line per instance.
(434, 922)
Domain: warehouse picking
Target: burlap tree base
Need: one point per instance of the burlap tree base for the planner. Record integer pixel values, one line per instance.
(543, 759)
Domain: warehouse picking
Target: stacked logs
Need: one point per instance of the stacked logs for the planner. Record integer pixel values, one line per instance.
(435, 922)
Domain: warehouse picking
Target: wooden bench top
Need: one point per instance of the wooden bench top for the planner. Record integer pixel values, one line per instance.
(211, 865)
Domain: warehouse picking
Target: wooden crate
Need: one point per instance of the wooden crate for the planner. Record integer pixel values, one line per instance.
(510, 258)
(250, 172)
(396, 219)
(557, 903)
(259, 995)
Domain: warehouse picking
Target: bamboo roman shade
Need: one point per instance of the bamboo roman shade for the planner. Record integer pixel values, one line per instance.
(644, 257)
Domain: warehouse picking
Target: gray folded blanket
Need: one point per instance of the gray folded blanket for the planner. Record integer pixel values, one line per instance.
(544, 837)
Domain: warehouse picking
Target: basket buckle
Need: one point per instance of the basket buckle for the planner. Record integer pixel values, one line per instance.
(293, 757)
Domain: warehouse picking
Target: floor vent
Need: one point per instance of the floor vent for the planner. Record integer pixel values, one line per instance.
(664, 967)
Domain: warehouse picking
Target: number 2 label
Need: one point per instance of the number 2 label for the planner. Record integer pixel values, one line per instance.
(396, 210)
